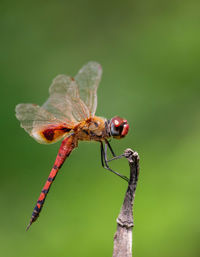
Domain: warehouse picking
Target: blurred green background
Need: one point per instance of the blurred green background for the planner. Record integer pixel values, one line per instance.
(150, 54)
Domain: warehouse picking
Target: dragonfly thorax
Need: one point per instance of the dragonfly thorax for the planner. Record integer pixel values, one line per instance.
(93, 129)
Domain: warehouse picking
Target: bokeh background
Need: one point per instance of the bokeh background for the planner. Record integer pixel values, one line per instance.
(150, 54)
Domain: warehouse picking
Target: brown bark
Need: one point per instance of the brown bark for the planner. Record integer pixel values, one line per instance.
(123, 235)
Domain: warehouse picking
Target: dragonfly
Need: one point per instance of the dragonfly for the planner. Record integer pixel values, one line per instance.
(69, 114)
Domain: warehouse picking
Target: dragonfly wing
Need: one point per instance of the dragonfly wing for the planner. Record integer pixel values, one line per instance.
(88, 79)
(42, 125)
(64, 100)
(70, 101)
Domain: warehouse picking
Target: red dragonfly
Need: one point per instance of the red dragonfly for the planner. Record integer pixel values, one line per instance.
(69, 113)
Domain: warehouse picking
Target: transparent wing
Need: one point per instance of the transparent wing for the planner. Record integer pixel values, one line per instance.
(70, 101)
(42, 125)
(64, 101)
(88, 79)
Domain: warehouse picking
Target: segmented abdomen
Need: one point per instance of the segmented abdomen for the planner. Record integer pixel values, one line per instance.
(66, 148)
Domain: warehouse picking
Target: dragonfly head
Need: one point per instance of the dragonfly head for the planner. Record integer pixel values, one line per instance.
(118, 127)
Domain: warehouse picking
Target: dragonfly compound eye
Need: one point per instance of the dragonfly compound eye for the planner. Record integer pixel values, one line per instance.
(118, 127)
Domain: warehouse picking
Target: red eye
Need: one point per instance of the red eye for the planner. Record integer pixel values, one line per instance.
(117, 121)
(125, 129)
(119, 127)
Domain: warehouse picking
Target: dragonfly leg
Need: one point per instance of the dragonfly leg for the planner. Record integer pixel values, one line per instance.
(116, 158)
(113, 154)
(105, 165)
(102, 155)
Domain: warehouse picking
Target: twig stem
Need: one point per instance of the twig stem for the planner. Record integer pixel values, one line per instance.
(123, 235)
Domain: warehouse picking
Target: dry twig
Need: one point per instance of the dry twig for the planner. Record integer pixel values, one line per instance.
(123, 235)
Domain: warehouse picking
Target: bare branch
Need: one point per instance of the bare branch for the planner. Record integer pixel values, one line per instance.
(123, 235)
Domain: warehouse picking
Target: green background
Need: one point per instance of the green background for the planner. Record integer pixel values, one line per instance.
(150, 54)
